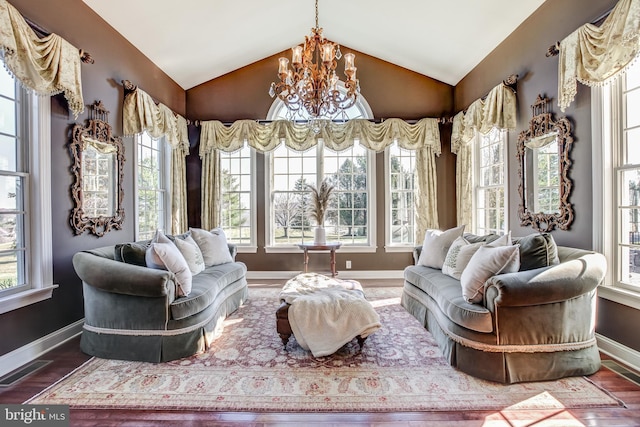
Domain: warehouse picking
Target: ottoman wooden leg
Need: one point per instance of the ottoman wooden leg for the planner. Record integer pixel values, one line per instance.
(282, 323)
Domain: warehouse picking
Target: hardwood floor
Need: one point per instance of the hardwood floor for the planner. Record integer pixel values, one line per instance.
(68, 356)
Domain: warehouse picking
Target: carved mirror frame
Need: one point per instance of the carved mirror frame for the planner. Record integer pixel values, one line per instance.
(540, 125)
(98, 129)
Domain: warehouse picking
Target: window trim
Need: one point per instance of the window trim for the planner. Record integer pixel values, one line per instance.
(475, 176)
(606, 109)
(165, 173)
(252, 246)
(345, 248)
(388, 245)
(40, 259)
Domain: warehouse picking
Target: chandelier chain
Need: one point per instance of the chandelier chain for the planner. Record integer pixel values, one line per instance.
(317, 25)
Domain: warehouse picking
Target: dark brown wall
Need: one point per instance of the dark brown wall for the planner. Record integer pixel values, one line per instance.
(116, 59)
(524, 53)
(391, 91)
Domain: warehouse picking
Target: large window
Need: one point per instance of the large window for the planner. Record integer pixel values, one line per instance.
(25, 196)
(350, 218)
(152, 196)
(400, 184)
(616, 109)
(490, 182)
(238, 200)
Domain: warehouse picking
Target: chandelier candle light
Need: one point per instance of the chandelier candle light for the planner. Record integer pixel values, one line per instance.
(313, 86)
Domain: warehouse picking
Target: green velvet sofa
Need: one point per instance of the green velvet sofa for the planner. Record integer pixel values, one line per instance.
(133, 313)
(531, 325)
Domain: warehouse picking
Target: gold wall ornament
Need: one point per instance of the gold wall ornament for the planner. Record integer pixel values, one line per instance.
(98, 174)
(312, 87)
(536, 188)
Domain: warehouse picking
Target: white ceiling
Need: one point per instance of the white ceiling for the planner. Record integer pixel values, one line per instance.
(194, 41)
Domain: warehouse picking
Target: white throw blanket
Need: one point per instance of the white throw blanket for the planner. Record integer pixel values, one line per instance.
(326, 313)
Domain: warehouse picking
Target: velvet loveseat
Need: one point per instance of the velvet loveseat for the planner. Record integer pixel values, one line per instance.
(134, 312)
(533, 324)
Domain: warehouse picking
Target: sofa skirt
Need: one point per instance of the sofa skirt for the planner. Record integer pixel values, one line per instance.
(503, 367)
(182, 339)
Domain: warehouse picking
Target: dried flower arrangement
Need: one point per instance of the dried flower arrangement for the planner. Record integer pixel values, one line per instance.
(320, 201)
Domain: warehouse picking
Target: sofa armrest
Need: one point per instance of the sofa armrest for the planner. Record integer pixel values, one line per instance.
(233, 250)
(122, 278)
(546, 285)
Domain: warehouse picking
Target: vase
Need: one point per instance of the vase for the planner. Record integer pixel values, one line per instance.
(320, 237)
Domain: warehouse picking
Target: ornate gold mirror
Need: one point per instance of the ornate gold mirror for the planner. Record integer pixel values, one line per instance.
(98, 161)
(543, 169)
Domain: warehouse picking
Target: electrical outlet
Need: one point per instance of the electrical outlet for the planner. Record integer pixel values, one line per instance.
(348, 266)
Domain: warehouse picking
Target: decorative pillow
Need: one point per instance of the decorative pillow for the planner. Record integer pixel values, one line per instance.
(191, 253)
(474, 238)
(436, 245)
(213, 245)
(537, 250)
(458, 257)
(166, 256)
(160, 237)
(504, 240)
(488, 261)
(132, 253)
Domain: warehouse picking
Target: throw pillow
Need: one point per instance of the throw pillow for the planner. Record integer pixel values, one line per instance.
(436, 244)
(166, 256)
(537, 250)
(458, 257)
(160, 237)
(504, 240)
(132, 253)
(488, 261)
(191, 253)
(213, 245)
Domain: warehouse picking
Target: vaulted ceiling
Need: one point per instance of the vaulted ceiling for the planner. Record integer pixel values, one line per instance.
(194, 41)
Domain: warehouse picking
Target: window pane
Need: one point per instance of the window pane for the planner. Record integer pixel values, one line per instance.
(633, 106)
(11, 193)
(7, 116)
(7, 84)
(8, 153)
(632, 140)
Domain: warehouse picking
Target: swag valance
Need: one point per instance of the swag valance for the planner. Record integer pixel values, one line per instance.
(336, 136)
(593, 54)
(141, 114)
(47, 66)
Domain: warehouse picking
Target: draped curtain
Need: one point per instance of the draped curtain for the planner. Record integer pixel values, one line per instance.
(423, 136)
(593, 54)
(47, 66)
(140, 114)
(497, 110)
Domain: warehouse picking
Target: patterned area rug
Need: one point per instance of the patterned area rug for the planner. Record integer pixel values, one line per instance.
(400, 368)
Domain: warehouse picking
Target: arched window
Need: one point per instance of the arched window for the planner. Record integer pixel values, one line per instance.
(351, 217)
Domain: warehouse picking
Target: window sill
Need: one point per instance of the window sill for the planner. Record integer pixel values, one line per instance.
(620, 296)
(398, 248)
(296, 250)
(23, 299)
(247, 249)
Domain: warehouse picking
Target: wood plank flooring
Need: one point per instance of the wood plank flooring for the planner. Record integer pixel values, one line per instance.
(68, 356)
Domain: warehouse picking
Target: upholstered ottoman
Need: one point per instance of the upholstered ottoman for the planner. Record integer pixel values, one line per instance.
(324, 313)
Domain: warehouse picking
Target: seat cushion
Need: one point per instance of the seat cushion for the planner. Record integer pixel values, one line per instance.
(205, 287)
(447, 293)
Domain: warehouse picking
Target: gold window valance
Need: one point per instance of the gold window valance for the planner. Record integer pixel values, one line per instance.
(593, 54)
(47, 66)
(336, 136)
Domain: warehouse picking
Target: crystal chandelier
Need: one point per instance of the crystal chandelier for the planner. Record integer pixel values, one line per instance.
(312, 84)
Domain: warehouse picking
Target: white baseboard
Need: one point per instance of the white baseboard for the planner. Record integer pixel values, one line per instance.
(21, 356)
(342, 274)
(624, 354)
